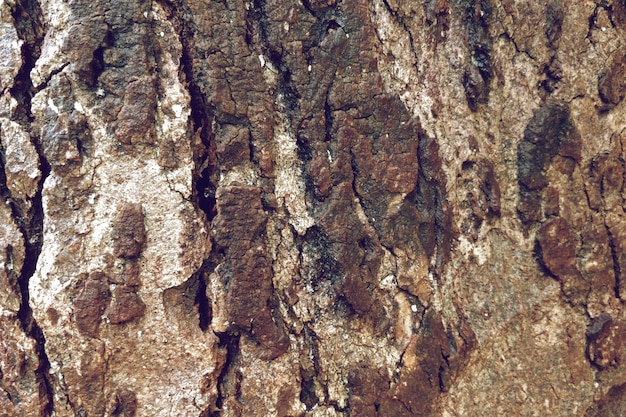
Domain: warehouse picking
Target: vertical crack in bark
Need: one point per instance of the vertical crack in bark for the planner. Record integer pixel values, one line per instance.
(30, 29)
(616, 266)
(32, 230)
(476, 16)
(204, 152)
(201, 116)
(431, 198)
(231, 344)
(309, 380)
(203, 302)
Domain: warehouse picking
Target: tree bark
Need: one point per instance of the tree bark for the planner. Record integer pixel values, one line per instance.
(312, 208)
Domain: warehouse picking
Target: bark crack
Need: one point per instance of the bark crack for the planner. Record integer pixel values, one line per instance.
(616, 266)
(201, 116)
(30, 29)
(230, 343)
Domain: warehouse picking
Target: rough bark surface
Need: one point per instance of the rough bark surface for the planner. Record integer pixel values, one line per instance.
(312, 208)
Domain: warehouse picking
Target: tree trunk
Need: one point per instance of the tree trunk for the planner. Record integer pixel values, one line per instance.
(315, 208)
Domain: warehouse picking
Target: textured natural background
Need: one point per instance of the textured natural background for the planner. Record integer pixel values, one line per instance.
(312, 208)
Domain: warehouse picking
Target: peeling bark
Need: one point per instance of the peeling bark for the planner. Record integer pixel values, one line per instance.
(312, 208)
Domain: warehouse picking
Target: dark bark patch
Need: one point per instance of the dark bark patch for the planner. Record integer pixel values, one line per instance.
(552, 75)
(53, 315)
(321, 265)
(549, 133)
(63, 140)
(613, 405)
(594, 190)
(136, 116)
(246, 271)
(552, 205)
(430, 364)
(233, 146)
(554, 23)
(125, 306)
(91, 303)
(123, 403)
(482, 200)
(479, 72)
(435, 227)
(84, 49)
(357, 258)
(307, 389)
(129, 232)
(490, 187)
(270, 332)
(320, 171)
(612, 80)
(619, 12)
(366, 386)
(476, 90)
(437, 16)
(606, 342)
(558, 248)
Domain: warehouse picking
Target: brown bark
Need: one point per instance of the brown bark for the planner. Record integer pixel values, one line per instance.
(312, 208)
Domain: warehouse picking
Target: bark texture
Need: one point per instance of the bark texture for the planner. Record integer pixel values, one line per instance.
(312, 208)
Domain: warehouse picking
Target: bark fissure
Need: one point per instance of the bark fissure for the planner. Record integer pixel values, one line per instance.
(331, 215)
(30, 29)
(202, 119)
(229, 343)
(202, 300)
(616, 265)
(309, 377)
(33, 241)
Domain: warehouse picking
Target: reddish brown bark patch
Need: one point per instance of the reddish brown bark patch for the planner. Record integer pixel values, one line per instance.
(123, 403)
(125, 306)
(246, 270)
(136, 116)
(558, 246)
(129, 233)
(430, 362)
(614, 405)
(550, 133)
(358, 255)
(91, 304)
(366, 386)
(233, 146)
(607, 340)
(86, 378)
(612, 81)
